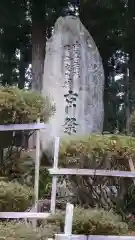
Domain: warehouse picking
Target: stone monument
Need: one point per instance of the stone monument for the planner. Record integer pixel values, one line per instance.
(74, 80)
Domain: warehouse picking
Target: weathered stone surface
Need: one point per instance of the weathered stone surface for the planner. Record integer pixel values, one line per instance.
(74, 80)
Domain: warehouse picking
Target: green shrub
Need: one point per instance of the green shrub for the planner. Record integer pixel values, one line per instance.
(94, 150)
(97, 152)
(45, 180)
(14, 197)
(21, 168)
(17, 166)
(91, 222)
(86, 222)
(21, 106)
(19, 231)
(132, 123)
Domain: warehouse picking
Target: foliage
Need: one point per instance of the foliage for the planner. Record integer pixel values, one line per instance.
(91, 222)
(21, 106)
(14, 197)
(19, 231)
(86, 222)
(21, 168)
(44, 180)
(98, 152)
(15, 37)
(114, 43)
(132, 122)
(125, 206)
(95, 150)
(18, 167)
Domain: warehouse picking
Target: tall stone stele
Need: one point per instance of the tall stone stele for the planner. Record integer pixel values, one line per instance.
(74, 80)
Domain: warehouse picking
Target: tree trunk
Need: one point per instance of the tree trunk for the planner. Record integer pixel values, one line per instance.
(38, 45)
(132, 81)
(127, 103)
(38, 50)
(21, 69)
(106, 97)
